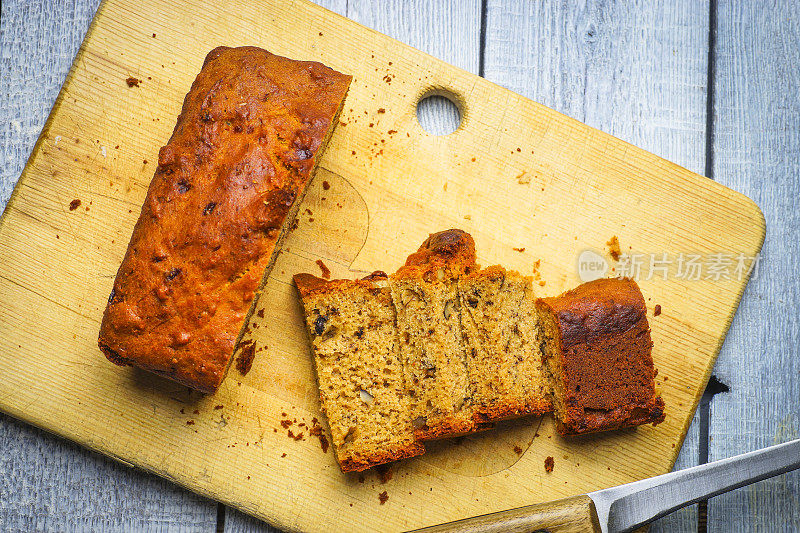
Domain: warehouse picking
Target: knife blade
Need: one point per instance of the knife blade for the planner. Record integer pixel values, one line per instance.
(627, 507)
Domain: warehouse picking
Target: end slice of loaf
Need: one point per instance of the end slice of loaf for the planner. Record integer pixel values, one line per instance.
(598, 357)
(361, 382)
(504, 353)
(425, 294)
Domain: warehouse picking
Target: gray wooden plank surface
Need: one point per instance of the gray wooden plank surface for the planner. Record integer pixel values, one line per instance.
(449, 30)
(756, 142)
(630, 69)
(47, 483)
(636, 70)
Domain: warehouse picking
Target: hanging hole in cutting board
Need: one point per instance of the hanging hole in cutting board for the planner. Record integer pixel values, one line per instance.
(438, 113)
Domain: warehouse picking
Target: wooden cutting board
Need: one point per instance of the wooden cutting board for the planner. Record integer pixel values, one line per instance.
(515, 175)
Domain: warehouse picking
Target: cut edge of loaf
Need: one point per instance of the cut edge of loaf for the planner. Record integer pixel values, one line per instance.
(429, 278)
(359, 371)
(501, 323)
(617, 310)
(287, 226)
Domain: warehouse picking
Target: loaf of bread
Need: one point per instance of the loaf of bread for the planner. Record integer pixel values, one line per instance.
(425, 294)
(227, 187)
(500, 324)
(361, 382)
(598, 356)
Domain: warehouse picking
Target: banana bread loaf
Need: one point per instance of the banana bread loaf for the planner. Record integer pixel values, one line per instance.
(502, 340)
(598, 356)
(361, 382)
(227, 187)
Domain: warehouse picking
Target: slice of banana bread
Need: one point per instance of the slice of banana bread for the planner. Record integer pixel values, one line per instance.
(425, 294)
(361, 382)
(598, 357)
(504, 353)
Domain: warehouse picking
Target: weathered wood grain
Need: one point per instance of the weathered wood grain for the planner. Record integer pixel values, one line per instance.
(47, 483)
(448, 30)
(756, 142)
(634, 69)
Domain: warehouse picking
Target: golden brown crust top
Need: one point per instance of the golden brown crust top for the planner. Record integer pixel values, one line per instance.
(242, 151)
(443, 255)
(598, 309)
(311, 285)
(608, 372)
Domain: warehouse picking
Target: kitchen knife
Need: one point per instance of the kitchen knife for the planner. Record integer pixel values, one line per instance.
(627, 507)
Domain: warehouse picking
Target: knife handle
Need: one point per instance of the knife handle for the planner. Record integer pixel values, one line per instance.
(570, 515)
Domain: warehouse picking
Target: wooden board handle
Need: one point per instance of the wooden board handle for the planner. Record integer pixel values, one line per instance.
(571, 515)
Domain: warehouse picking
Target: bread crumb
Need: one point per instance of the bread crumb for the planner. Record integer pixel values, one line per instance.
(613, 248)
(133, 82)
(381, 110)
(523, 178)
(384, 472)
(74, 204)
(323, 442)
(467, 217)
(245, 361)
(218, 407)
(549, 462)
(283, 455)
(326, 185)
(657, 310)
(517, 450)
(383, 497)
(326, 273)
(520, 250)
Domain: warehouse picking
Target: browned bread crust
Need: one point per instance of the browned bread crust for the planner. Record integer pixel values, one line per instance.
(226, 188)
(446, 254)
(601, 358)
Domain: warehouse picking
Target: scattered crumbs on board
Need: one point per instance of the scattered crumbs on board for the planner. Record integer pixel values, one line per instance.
(549, 463)
(613, 248)
(517, 450)
(384, 472)
(520, 250)
(245, 361)
(383, 497)
(74, 204)
(133, 82)
(657, 310)
(326, 273)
